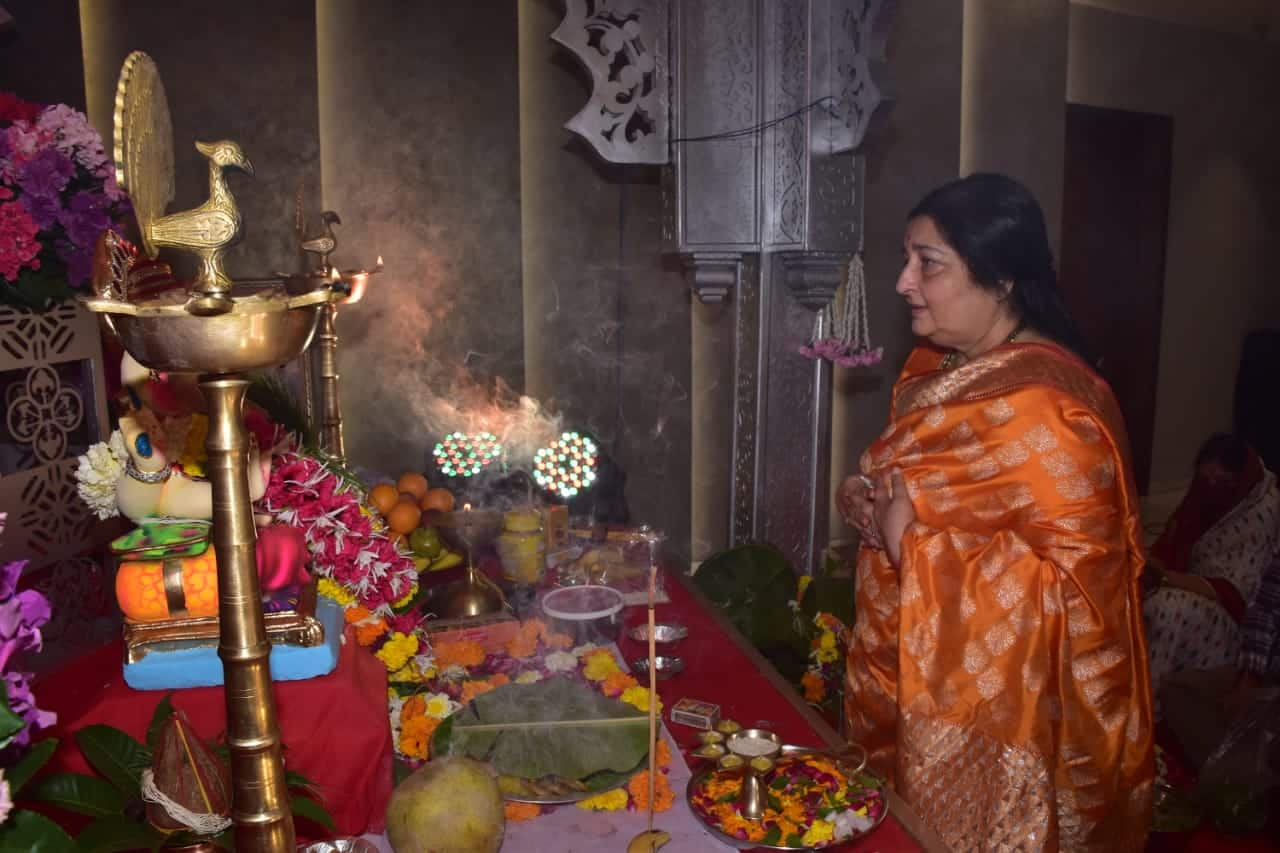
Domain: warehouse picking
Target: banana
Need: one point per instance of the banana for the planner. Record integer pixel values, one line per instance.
(447, 560)
(647, 842)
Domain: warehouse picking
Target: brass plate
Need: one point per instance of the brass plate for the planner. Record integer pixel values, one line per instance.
(787, 752)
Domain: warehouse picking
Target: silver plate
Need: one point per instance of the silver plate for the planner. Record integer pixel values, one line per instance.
(340, 845)
(670, 633)
(667, 666)
(787, 752)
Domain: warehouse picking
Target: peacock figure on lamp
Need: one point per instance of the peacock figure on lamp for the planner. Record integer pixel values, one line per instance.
(207, 230)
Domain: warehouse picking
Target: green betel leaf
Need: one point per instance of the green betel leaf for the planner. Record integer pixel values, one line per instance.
(31, 832)
(30, 764)
(117, 832)
(10, 723)
(308, 808)
(116, 755)
(501, 727)
(76, 792)
(164, 710)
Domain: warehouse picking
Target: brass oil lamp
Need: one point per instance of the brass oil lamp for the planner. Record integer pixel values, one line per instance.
(221, 331)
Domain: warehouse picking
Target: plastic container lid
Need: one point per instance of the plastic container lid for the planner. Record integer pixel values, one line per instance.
(582, 603)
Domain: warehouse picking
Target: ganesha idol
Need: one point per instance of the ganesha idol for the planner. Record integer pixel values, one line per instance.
(168, 568)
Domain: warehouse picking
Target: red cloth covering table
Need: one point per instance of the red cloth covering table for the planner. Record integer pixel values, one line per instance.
(334, 728)
(718, 669)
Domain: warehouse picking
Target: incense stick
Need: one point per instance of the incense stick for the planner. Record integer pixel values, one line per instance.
(653, 691)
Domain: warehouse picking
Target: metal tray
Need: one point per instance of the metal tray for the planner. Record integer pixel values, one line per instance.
(788, 752)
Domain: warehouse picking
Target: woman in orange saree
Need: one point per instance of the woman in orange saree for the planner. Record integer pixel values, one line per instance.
(997, 671)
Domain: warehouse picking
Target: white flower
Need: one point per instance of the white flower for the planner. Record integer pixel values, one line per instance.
(848, 822)
(562, 662)
(439, 705)
(529, 676)
(581, 650)
(394, 703)
(97, 472)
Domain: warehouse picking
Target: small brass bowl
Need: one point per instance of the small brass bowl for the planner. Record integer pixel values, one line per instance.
(661, 633)
(709, 750)
(737, 743)
(667, 666)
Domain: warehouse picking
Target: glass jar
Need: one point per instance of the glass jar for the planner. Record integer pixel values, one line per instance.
(522, 547)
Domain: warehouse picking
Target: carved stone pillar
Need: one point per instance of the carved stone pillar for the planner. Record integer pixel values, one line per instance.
(769, 99)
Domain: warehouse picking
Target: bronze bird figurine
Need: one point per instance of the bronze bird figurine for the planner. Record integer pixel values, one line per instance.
(208, 230)
(325, 242)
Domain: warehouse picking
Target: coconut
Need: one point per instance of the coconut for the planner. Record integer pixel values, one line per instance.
(449, 805)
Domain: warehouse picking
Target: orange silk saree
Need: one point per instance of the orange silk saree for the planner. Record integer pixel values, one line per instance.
(999, 675)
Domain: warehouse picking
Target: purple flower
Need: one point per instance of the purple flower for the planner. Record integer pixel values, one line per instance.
(47, 173)
(85, 218)
(23, 703)
(72, 133)
(79, 261)
(43, 210)
(21, 615)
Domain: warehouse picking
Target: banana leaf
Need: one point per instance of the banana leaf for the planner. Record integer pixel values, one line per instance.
(501, 727)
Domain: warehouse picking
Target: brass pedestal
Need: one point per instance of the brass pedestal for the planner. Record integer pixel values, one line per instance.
(260, 808)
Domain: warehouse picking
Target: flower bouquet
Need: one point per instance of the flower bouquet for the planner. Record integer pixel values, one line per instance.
(58, 193)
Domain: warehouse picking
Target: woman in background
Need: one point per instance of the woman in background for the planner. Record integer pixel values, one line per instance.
(1205, 568)
(998, 671)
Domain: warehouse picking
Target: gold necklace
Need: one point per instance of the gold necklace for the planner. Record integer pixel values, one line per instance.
(949, 360)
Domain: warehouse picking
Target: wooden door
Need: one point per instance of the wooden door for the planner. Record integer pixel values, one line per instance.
(1115, 214)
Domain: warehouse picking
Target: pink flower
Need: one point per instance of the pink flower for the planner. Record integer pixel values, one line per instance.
(18, 245)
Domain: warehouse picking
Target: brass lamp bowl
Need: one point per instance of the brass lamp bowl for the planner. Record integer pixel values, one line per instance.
(470, 596)
(261, 330)
(470, 530)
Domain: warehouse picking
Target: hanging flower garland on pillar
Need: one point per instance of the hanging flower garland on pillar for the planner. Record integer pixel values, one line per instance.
(841, 331)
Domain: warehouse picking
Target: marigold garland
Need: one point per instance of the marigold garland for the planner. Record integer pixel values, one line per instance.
(600, 665)
(616, 682)
(609, 801)
(464, 653)
(638, 697)
(638, 788)
(397, 651)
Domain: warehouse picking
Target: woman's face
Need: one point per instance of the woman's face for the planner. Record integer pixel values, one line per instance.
(948, 307)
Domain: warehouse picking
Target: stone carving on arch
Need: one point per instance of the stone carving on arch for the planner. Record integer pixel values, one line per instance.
(623, 45)
(852, 59)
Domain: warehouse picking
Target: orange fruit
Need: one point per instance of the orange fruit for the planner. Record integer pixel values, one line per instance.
(413, 483)
(397, 539)
(383, 497)
(438, 499)
(404, 516)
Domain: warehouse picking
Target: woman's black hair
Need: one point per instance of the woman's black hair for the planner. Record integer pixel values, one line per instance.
(1226, 449)
(995, 224)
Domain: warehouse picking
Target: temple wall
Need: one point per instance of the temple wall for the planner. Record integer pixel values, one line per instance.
(1224, 210)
